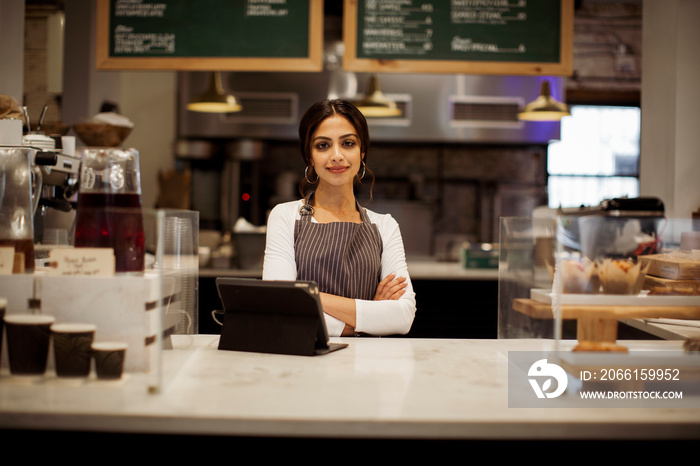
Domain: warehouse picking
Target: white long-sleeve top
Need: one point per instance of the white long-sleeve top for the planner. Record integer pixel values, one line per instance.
(384, 317)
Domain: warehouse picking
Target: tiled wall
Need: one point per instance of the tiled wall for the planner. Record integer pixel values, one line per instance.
(467, 187)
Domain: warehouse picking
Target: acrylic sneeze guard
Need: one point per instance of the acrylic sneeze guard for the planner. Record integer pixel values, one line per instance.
(557, 275)
(141, 309)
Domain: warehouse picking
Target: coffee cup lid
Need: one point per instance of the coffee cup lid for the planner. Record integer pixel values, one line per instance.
(109, 345)
(29, 319)
(73, 327)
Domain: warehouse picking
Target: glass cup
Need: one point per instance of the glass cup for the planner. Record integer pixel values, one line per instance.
(109, 206)
(20, 189)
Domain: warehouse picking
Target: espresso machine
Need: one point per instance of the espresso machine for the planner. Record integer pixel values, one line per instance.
(616, 228)
(59, 170)
(55, 216)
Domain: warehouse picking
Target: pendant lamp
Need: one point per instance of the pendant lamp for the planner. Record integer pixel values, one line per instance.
(215, 99)
(376, 104)
(544, 108)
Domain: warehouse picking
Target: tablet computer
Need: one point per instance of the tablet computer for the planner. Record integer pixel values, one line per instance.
(273, 316)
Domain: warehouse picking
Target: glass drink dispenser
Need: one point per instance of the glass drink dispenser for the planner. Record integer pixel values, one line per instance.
(109, 206)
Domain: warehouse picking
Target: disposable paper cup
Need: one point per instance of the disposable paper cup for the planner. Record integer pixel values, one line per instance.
(72, 350)
(28, 338)
(109, 359)
(68, 145)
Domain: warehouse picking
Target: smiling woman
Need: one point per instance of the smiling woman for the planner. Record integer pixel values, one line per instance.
(355, 256)
(336, 157)
(323, 122)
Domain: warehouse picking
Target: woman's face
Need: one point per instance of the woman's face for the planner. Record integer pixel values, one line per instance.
(335, 151)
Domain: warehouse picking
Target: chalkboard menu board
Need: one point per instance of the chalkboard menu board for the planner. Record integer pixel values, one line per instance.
(227, 35)
(514, 37)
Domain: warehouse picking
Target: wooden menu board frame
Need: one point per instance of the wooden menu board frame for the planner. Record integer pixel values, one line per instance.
(563, 67)
(312, 62)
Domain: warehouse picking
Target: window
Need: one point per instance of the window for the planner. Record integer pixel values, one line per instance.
(597, 157)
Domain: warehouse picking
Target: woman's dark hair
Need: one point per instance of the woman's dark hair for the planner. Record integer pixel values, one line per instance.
(312, 119)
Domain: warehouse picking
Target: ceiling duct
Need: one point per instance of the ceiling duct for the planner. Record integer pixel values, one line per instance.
(404, 106)
(485, 112)
(266, 107)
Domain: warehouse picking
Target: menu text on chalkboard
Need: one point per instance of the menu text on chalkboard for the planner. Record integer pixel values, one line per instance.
(469, 36)
(245, 35)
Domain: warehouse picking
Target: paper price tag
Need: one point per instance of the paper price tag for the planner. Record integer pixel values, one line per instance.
(7, 259)
(96, 262)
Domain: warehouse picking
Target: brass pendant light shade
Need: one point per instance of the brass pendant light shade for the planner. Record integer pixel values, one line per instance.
(215, 99)
(376, 104)
(544, 108)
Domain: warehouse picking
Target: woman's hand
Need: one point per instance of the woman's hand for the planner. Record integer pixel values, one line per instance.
(391, 287)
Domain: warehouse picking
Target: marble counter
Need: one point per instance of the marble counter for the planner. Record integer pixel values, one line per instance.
(388, 388)
(668, 329)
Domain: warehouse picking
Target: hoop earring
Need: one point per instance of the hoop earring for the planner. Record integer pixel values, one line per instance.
(306, 176)
(364, 170)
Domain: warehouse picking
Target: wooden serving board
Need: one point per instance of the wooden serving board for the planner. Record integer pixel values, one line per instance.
(599, 323)
(540, 310)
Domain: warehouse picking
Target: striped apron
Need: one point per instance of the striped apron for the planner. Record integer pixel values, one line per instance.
(343, 258)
